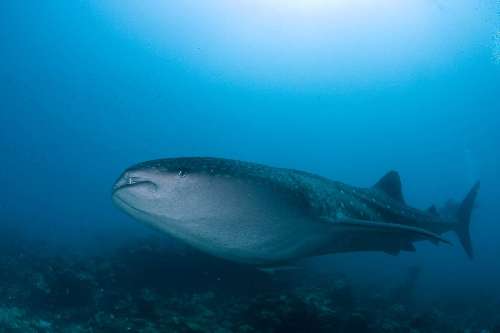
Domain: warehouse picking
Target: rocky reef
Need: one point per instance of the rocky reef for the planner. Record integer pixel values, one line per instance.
(149, 287)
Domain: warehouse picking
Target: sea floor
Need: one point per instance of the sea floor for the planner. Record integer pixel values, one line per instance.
(147, 287)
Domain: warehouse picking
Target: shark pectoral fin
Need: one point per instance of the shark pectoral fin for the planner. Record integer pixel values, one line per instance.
(361, 235)
(390, 229)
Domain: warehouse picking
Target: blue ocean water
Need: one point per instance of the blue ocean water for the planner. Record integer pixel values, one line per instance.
(345, 89)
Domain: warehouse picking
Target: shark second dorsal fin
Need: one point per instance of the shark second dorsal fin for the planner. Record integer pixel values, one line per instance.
(390, 184)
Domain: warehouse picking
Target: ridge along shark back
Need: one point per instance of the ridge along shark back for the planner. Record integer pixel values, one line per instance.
(265, 216)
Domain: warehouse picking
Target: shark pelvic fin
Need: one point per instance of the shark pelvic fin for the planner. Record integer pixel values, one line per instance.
(390, 184)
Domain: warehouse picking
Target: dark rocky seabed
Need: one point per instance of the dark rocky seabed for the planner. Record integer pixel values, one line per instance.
(148, 286)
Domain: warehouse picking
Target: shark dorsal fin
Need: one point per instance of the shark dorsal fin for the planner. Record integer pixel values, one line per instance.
(390, 184)
(433, 210)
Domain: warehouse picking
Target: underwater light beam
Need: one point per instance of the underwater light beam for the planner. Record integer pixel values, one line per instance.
(299, 42)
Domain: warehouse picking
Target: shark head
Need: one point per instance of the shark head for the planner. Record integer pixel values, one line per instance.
(168, 190)
(188, 196)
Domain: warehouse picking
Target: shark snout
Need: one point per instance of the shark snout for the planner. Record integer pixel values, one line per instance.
(129, 180)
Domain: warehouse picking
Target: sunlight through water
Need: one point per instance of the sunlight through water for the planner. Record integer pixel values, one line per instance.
(315, 42)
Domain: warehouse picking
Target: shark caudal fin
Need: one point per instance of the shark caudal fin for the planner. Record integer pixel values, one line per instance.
(463, 214)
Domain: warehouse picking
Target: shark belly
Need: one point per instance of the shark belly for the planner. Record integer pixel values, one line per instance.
(244, 221)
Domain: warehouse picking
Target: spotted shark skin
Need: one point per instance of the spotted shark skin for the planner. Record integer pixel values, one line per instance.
(262, 215)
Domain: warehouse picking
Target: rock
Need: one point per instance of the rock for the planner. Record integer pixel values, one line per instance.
(283, 313)
(424, 322)
(356, 323)
(13, 320)
(341, 294)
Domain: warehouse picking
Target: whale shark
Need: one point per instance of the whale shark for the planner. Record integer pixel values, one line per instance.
(267, 216)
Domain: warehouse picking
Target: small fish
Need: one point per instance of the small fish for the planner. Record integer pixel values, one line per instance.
(265, 216)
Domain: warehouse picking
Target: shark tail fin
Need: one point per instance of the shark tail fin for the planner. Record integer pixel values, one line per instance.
(463, 214)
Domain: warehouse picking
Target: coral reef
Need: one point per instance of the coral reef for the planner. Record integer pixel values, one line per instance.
(147, 287)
